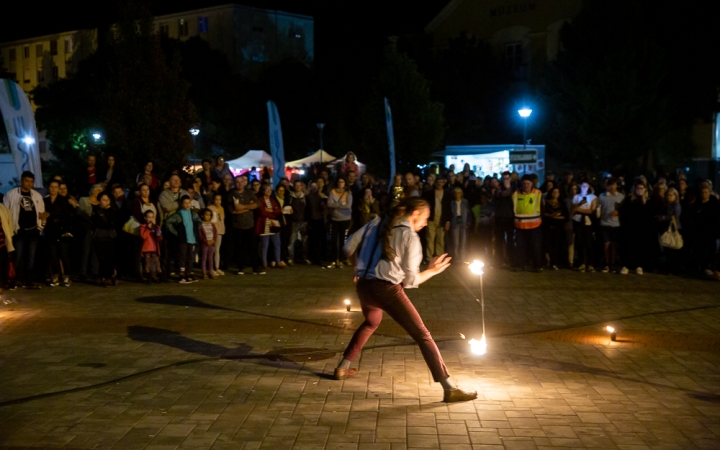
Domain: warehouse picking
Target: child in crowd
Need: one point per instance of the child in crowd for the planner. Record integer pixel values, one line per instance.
(184, 225)
(208, 234)
(195, 204)
(151, 235)
(218, 219)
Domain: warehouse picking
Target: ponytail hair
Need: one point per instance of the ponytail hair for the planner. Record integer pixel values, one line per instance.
(405, 208)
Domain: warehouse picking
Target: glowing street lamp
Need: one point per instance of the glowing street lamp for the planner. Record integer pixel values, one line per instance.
(347, 304)
(479, 347)
(194, 131)
(613, 334)
(96, 136)
(525, 113)
(28, 140)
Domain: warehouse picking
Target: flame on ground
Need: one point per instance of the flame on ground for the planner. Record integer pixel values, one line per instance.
(478, 347)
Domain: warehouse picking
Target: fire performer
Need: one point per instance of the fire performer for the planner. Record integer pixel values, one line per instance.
(387, 255)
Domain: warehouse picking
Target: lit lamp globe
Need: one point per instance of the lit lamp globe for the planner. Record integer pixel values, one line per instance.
(478, 347)
(476, 267)
(347, 304)
(525, 112)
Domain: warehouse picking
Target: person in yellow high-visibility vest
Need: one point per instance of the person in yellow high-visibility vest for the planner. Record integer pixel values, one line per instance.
(528, 235)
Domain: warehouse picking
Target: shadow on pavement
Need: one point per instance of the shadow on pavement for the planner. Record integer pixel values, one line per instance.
(176, 340)
(180, 300)
(283, 358)
(286, 358)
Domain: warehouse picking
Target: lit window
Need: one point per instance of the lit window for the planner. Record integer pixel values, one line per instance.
(203, 23)
(182, 28)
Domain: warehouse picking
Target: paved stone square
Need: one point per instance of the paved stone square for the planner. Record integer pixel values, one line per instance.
(244, 362)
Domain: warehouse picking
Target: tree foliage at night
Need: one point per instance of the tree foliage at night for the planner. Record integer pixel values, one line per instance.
(607, 99)
(130, 91)
(417, 120)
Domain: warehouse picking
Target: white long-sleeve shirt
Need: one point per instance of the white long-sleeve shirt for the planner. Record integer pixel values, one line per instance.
(403, 268)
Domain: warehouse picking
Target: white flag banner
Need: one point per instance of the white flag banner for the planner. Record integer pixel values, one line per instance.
(20, 125)
(391, 137)
(277, 151)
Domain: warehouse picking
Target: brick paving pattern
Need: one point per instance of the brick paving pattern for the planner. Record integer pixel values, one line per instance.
(244, 362)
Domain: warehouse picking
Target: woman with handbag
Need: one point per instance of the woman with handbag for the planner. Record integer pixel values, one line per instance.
(340, 201)
(103, 236)
(267, 226)
(283, 200)
(672, 226)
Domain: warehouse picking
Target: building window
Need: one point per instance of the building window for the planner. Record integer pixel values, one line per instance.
(68, 45)
(203, 24)
(55, 73)
(12, 55)
(26, 51)
(53, 47)
(182, 28)
(164, 30)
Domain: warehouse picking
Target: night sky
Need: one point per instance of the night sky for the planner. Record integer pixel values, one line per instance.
(335, 22)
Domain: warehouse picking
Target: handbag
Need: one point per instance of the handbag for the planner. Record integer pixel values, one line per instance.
(672, 239)
(132, 226)
(274, 226)
(104, 234)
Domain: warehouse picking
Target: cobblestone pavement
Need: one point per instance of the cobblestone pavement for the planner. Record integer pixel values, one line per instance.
(244, 362)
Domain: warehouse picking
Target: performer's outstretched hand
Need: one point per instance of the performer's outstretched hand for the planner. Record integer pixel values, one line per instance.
(439, 263)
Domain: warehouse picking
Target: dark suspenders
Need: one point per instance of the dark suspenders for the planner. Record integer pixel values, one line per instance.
(377, 242)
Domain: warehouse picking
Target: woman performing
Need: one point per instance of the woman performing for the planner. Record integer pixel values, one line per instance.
(388, 255)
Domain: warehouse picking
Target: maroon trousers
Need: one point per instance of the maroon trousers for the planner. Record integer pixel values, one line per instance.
(377, 296)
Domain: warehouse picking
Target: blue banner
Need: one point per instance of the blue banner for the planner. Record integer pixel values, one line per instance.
(276, 143)
(20, 125)
(391, 138)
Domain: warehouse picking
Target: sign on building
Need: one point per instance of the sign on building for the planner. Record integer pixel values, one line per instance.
(523, 157)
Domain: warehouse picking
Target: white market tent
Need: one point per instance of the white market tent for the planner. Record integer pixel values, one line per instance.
(253, 158)
(312, 159)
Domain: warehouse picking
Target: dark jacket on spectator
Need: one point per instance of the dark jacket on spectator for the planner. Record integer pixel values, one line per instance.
(299, 206)
(430, 197)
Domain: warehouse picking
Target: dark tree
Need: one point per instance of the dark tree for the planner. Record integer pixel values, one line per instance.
(417, 120)
(606, 97)
(144, 105)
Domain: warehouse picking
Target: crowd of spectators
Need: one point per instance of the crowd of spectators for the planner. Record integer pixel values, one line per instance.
(189, 226)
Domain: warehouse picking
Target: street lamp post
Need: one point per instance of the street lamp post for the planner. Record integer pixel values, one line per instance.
(194, 132)
(320, 127)
(525, 113)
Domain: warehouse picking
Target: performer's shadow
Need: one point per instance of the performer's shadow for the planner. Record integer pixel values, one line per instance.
(288, 358)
